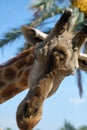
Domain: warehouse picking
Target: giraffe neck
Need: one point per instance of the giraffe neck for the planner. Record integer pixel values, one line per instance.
(14, 74)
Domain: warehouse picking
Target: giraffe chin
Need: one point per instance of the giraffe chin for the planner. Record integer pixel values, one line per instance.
(30, 114)
(29, 123)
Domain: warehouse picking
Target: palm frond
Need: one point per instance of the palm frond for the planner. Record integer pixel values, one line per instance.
(15, 33)
(79, 82)
(40, 19)
(10, 36)
(47, 6)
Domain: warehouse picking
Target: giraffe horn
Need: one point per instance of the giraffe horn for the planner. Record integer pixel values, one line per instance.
(59, 28)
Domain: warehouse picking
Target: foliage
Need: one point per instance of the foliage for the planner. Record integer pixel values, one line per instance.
(8, 129)
(43, 10)
(10, 36)
(83, 128)
(68, 126)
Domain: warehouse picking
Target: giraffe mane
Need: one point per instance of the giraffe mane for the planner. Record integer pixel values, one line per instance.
(18, 57)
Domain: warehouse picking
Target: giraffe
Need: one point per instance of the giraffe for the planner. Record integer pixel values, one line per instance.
(42, 68)
(14, 74)
(56, 58)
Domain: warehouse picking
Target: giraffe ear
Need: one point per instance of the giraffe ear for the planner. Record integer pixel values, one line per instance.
(33, 35)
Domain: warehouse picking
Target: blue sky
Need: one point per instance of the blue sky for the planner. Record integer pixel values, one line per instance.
(65, 104)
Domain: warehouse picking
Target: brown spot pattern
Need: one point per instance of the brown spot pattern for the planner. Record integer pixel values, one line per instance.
(20, 73)
(1, 74)
(10, 73)
(11, 91)
(23, 80)
(20, 63)
(30, 60)
(2, 83)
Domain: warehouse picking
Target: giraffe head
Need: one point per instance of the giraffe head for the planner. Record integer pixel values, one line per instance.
(55, 58)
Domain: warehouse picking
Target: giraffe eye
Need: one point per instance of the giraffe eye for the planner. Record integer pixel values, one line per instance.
(60, 54)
